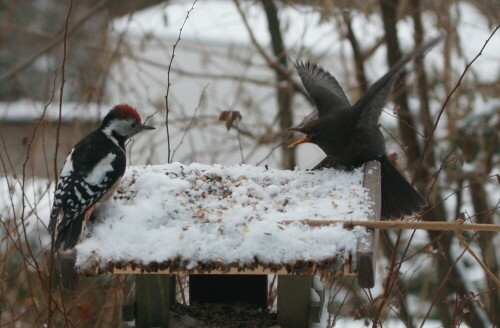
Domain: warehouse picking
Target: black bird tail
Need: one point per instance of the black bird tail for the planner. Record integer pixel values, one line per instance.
(70, 233)
(398, 196)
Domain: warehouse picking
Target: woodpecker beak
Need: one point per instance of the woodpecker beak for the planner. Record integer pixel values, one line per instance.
(147, 127)
(305, 138)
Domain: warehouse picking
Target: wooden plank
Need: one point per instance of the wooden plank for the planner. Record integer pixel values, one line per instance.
(316, 306)
(367, 247)
(67, 269)
(153, 296)
(294, 293)
(128, 307)
(233, 271)
(249, 289)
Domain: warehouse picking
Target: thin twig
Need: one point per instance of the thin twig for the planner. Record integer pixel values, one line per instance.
(61, 96)
(448, 98)
(202, 96)
(392, 276)
(404, 122)
(456, 191)
(167, 108)
(441, 286)
(490, 274)
(401, 225)
(239, 142)
(52, 239)
(270, 153)
(52, 44)
(269, 61)
(149, 116)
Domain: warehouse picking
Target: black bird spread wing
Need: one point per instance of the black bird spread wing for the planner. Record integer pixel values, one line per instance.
(371, 103)
(323, 88)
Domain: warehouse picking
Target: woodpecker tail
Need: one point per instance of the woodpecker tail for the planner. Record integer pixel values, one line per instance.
(398, 196)
(54, 215)
(70, 232)
(67, 269)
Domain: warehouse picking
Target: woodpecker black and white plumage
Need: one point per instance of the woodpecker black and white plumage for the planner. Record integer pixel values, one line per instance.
(91, 174)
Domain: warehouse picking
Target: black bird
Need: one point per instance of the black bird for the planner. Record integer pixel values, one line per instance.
(350, 136)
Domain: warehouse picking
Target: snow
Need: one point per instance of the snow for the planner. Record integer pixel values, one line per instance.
(37, 195)
(226, 214)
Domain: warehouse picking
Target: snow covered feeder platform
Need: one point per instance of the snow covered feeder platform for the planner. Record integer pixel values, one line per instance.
(237, 219)
(211, 219)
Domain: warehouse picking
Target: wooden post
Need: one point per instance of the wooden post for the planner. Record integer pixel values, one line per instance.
(316, 306)
(128, 307)
(67, 268)
(367, 247)
(294, 293)
(153, 295)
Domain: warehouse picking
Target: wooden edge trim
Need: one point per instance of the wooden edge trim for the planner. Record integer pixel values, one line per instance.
(258, 270)
(366, 247)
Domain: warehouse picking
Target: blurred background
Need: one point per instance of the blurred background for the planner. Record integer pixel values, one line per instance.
(227, 69)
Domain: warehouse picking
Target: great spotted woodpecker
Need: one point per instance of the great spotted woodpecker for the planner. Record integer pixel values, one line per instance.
(91, 174)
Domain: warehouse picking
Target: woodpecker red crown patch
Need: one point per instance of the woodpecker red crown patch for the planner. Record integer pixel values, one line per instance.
(126, 111)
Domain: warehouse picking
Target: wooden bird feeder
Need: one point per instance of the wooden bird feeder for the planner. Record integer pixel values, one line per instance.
(212, 200)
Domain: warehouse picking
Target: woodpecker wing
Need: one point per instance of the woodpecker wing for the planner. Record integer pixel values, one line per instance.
(323, 88)
(91, 170)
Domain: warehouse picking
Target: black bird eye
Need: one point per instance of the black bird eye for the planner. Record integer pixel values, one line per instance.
(134, 124)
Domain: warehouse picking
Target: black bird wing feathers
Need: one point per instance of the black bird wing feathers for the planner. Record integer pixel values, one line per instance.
(323, 88)
(328, 95)
(371, 103)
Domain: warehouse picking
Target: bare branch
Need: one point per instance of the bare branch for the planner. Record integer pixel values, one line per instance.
(167, 109)
(202, 96)
(453, 226)
(457, 85)
(52, 44)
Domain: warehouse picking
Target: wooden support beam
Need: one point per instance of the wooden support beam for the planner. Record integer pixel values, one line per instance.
(153, 295)
(294, 293)
(67, 269)
(128, 307)
(317, 303)
(367, 246)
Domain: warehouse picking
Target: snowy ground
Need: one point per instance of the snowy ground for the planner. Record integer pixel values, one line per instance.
(234, 215)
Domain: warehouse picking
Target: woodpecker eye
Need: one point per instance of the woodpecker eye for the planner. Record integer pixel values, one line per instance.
(134, 124)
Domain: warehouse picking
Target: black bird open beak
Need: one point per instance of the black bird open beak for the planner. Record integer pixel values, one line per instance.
(147, 127)
(305, 138)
